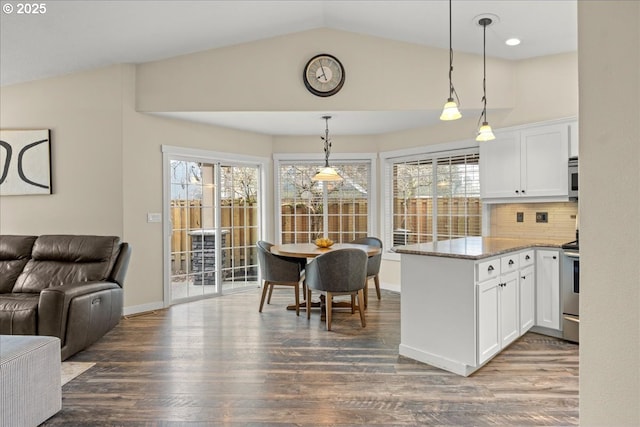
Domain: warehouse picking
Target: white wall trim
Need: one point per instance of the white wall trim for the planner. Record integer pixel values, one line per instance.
(206, 154)
(314, 157)
(443, 149)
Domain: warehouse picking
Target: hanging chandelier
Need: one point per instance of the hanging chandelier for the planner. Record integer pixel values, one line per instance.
(327, 173)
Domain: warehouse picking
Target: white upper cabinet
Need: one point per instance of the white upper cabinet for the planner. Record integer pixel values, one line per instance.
(500, 166)
(530, 164)
(573, 139)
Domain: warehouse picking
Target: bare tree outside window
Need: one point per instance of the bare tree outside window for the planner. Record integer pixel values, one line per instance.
(436, 198)
(312, 209)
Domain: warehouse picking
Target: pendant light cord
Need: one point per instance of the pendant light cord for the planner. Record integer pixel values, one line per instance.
(484, 22)
(327, 142)
(452, 90)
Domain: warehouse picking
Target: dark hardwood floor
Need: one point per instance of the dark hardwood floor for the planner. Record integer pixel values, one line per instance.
(220, 362)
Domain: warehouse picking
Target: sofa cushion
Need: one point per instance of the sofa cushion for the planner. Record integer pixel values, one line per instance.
(19, 314)
(15, 251)
(59, 259)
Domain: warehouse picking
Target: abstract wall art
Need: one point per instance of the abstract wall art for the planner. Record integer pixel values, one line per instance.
(25, 162)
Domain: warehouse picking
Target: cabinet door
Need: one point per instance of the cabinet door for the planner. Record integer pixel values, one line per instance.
(500, 166)
(509, 309)
(548, 289)
(488, 326)
(527, 299)
(544, 155)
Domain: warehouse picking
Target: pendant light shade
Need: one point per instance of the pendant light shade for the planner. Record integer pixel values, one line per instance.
(484, 132)
(450, 110)
(327, 173)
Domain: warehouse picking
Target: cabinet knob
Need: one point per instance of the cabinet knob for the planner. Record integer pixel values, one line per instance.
(527, 257)
(523, 277)
(554, 257)
(522, 191)
(490, 268)
(517, 192)
(510, 262)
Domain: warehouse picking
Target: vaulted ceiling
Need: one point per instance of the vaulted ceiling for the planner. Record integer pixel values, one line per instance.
(71, 36)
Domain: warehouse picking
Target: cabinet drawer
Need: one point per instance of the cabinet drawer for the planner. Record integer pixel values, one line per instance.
(509, 263)
(488, 269)
(526, 258)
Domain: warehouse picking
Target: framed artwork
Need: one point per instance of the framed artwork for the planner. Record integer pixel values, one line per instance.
(25, 162)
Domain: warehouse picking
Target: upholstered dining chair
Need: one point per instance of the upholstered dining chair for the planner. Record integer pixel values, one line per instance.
(338, 272)
(373, 265)
(278, 270)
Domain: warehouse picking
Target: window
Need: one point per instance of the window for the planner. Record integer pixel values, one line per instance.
(434, 197)
(308, 209)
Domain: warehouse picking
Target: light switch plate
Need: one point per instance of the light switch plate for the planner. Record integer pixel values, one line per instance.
(154, 217)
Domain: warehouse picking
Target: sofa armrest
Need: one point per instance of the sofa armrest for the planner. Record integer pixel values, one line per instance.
(53, 307)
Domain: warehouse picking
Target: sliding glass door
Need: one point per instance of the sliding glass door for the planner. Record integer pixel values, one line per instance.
(214, 215)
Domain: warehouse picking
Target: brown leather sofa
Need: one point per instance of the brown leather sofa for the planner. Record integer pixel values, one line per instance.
(66, 286)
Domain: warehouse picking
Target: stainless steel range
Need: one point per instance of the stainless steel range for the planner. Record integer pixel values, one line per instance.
(570, 286)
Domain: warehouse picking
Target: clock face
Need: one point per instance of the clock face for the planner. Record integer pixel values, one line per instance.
(323, 75)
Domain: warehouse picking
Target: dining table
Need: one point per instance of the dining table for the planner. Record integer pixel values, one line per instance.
(311, 250)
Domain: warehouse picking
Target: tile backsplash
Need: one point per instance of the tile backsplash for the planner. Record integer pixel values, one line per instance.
(561, 220)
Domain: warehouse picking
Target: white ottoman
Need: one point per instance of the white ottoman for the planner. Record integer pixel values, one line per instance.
(30, 390)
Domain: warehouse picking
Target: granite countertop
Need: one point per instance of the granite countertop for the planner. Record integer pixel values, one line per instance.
(475, 247)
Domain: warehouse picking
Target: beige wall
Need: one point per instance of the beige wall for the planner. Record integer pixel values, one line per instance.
(267, 75)
(84, 113)
(609, 64)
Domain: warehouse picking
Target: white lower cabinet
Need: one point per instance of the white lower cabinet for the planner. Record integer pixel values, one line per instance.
(489, 340)
(548, 289)
(527, 299)
(458, 313)
(498, 319)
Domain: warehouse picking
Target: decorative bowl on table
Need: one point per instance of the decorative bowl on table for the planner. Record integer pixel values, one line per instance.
(323, 242)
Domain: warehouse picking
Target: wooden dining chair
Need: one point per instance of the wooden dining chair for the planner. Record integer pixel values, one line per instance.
(373, 265)
(338, 272)
(278, 270)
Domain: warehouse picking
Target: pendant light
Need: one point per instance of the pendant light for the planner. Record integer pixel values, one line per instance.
(327, 173)
(450, 110)
(484, 132)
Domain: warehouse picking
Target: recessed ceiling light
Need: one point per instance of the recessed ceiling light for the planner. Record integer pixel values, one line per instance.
(513, 42)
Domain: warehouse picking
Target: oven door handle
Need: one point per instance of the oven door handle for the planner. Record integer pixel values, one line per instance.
(571, 318)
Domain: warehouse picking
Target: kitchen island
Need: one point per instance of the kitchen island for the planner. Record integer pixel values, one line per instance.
(464, 300)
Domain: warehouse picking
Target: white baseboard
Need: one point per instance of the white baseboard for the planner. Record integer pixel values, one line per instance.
(128, 311)
(395, 287)
(159, 305)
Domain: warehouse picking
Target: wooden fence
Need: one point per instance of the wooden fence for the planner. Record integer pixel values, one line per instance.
(456, 217)
(301, 223)
(240, 220)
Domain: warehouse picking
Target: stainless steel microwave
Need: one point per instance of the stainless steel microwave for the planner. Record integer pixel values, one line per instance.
(573, 178)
